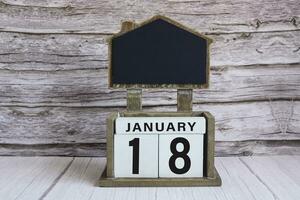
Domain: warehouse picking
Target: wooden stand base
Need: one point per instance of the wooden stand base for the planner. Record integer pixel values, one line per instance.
(159, 182)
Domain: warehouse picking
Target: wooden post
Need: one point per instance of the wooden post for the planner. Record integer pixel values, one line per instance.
(127, 26)
(184, 100)
(134, 99)
(134, 96)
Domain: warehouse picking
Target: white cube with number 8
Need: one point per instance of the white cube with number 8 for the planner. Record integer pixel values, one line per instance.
(181, 155)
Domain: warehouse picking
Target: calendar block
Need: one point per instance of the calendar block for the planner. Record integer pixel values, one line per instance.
(181, 155)
(142, 158)
(136, 156)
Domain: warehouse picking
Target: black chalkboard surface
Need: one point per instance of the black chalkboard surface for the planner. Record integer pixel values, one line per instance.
(159, 54)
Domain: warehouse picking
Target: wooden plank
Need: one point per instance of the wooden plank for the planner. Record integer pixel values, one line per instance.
(52, 52)
(50, 125)
(66, 178)
(234, 122)
(105, 16)
(255, 48)
(29, 177)
(89, 87)
(58, 149)
(289, 165)
(274, 175)
(238, 182)
(79, 182)
(257, 147)
(51, 130)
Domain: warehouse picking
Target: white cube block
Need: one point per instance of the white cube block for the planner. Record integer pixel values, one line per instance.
(181, 155)
(136, 156)
(160, 125)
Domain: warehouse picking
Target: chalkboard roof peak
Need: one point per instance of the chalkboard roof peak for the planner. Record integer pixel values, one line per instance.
(128, 26)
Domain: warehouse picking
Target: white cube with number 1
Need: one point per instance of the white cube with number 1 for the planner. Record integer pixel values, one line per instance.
(136, 155)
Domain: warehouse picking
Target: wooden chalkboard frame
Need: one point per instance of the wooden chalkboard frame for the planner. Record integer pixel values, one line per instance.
(173, 86)
(210, 178)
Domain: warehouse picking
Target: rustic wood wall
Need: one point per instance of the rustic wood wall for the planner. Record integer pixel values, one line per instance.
(54, 96)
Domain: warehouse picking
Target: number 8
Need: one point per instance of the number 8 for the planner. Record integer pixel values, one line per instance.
(182, 154)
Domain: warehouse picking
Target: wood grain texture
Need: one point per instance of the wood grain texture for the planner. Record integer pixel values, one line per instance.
(65, 52)
(258, 147)
(29, 177)
(67, 126)
(234, 122)
(57, 149)
(84, 173)
(54, 95)
(273, 172)
(102, 17)
(251, 178)
(89, 87)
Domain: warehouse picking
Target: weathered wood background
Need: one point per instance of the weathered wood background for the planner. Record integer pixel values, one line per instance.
(54, 96)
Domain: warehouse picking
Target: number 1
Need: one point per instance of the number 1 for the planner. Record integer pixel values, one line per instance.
(135, 143)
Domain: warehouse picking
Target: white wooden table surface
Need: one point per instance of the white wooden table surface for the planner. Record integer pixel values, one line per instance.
(264, 178)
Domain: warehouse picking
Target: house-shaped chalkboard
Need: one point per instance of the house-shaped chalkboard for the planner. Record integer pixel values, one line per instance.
(159, 53)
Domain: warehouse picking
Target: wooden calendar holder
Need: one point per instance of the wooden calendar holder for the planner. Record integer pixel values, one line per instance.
(184, 107)
(184, 94)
